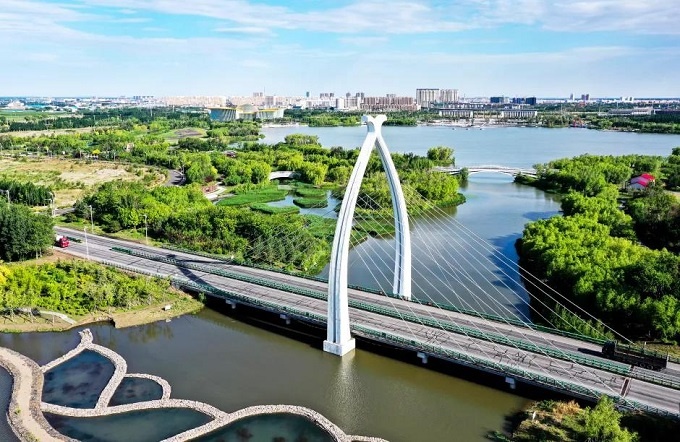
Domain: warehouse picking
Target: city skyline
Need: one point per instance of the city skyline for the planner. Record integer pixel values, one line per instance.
(234, 47)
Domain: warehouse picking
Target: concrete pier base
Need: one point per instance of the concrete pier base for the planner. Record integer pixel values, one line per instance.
(339, 349)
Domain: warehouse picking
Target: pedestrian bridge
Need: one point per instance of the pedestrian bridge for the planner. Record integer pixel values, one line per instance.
(512, 171)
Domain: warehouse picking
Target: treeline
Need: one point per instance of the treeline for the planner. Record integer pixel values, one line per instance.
(619, 265)
(25, 193)
(76, 288)
(126, 117)
(23, 234)
(329, 118)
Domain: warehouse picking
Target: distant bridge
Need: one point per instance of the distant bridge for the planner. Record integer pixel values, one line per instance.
(279, 174)
(513, 171)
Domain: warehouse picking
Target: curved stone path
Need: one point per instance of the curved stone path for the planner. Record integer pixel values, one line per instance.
(165, 385)
(24, 414)
(28, 379)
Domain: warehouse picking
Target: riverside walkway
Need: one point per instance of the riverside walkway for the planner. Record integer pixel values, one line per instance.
(514, 351)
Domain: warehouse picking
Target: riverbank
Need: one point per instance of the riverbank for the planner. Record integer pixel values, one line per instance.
(182, 304)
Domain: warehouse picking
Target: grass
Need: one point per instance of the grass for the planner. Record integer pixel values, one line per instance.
(309, 203)
(175, 135)
(310, 192)
(260, 195)
(70, 179)
(265, 208)
(20, 115)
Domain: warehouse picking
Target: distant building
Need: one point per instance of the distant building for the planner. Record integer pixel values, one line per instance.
(518, 113)
(426, 96)
(499, 100)
(636, 111)
(456, 112)
(388, 103)
(245, 112)
(641, 182)
(448, 96)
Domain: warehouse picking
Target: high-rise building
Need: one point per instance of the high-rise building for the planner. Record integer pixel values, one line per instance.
(585, 97)
(499, 100)
(307, 94)
(426, 96)
(448, 96)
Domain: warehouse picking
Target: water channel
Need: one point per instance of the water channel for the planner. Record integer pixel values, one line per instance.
(215, 359)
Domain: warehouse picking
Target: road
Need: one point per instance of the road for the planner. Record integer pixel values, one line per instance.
(663, 398)
(175, 178)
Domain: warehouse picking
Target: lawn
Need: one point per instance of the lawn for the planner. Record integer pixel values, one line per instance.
(172, 136)
(261, 195)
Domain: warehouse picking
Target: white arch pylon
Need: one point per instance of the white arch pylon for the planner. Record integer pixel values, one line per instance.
(339, 339)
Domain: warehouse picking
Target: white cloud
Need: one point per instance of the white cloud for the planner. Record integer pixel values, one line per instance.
(363, 41)
(245, 30)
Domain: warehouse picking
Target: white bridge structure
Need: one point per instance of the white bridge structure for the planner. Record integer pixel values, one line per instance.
(339, 340)
(513, 171)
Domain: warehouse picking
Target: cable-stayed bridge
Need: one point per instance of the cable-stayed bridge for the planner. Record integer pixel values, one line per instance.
(480, 333)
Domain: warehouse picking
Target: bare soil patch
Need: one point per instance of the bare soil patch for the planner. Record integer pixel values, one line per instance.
(72, 178)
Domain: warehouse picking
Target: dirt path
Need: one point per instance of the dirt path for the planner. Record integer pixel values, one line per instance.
(24, 412)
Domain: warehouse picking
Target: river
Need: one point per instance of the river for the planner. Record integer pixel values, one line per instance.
(212, 358)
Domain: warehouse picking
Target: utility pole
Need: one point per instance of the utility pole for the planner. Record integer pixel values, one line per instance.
(7, 192)
(146, 231)
(91, 219)
(87, 247)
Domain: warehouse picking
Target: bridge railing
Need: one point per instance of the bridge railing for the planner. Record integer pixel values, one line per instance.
(505, 369)
(610, 366)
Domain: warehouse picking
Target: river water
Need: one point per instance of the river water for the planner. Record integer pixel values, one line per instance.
(215, 359)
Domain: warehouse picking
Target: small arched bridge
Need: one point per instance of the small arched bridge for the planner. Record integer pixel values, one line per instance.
(280, 174)
(513, 171)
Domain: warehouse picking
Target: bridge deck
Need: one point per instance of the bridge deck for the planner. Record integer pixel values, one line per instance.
(533, 367)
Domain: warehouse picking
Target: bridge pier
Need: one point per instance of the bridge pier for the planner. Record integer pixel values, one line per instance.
(423, 357)
(230, 303)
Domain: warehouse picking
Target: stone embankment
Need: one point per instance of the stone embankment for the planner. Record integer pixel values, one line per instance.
(33, 426)
(24, 414)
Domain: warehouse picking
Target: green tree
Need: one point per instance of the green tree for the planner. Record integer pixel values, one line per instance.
(442, 155)
(602, 423)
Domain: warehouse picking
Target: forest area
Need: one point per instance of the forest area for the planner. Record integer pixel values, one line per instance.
(614, 252)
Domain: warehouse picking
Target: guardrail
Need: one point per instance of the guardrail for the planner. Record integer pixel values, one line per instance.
(609, 366)
(417, 345)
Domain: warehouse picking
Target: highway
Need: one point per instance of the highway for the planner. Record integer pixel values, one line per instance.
(422, 334)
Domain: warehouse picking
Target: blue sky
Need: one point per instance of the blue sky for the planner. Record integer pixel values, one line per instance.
(235, 47)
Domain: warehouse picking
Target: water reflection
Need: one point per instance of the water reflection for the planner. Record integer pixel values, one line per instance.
(147, 425)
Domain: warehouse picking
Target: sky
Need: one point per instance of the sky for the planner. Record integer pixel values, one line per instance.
(544, 48)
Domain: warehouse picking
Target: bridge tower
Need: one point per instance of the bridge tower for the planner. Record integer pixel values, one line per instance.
(339, 340)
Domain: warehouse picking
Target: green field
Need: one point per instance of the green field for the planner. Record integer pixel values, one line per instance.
(262, 195)
(21, 115)
(187, 132)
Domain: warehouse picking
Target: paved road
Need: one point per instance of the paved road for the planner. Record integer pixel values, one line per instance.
(601, 381)
(175, 178)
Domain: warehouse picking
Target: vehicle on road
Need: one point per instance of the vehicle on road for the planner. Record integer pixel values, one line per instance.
(634, 356)
(61, 241)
